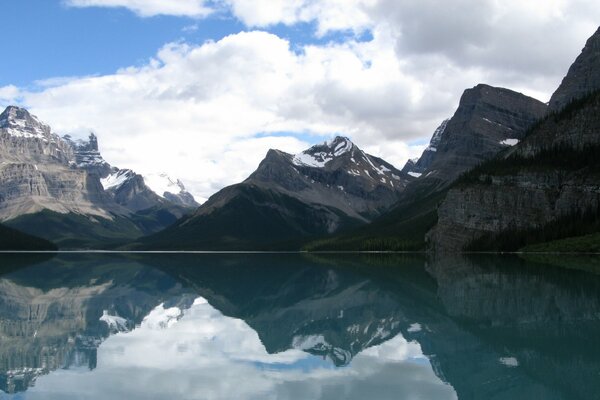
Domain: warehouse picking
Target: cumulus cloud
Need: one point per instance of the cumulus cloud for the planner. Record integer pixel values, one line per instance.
(9, 94)
(196, 110)
(207, 113)
(150, 8)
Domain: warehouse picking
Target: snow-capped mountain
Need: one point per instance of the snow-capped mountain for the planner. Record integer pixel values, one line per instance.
(170, 189)
(45, 179)
(326, 188)
(39, 172)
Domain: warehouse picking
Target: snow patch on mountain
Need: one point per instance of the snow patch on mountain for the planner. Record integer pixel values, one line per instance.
(18, 122)
(510, 142)
(116, 179)
(320, 154)
(163, 183)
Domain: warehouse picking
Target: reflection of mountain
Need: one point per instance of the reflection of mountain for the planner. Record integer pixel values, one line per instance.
(55, 314)
(491, 329)
(546, 324)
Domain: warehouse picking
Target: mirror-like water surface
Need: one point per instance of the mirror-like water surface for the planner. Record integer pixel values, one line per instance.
(297, 327)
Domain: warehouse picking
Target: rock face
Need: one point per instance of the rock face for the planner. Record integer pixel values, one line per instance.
(289, 197)
(38, 171)
(551, 175)
(583, 76)
(128, 189)
(88, 157)
(60, 181)
(418, 166)
(487, 121)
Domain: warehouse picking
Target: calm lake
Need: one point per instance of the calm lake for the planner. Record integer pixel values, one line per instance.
(297, 326)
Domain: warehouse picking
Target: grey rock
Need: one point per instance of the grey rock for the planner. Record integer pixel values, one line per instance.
(87, 155)
(583, 76)
(530, 197)
(422, 164)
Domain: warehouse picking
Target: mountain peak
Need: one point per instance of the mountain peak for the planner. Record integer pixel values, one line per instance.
(18, 122)
(320, 154)
(583, 76)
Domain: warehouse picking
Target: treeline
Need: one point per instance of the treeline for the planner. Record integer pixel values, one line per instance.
(561, 156)
(11, 239)
(578, 223)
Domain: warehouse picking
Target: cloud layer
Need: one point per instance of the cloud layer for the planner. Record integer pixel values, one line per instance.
(207, 113)
(150, 8)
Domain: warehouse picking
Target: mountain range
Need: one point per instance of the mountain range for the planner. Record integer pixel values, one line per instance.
(506, 171)
(63, 190)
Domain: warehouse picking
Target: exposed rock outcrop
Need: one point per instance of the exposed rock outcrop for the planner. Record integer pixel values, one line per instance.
(583, 76)
(551, 175)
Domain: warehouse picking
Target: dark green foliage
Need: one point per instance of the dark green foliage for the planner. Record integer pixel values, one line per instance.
(11, 239)
(561, 157)
(74, 231)
(579, 244)
(576, 224)
(549, 156)
(402, 229)
(253, 219)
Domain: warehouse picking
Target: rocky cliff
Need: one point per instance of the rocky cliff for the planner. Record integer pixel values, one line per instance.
(63, 190)
(548, 182)
(583, 76)
(488, 120)
(39, 172)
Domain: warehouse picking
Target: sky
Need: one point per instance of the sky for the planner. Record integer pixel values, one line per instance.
(201, 89)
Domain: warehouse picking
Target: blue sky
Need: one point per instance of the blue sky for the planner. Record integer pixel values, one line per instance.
(202, 96)
(50, 39)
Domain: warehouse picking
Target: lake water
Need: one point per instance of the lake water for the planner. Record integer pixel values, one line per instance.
(292, 326)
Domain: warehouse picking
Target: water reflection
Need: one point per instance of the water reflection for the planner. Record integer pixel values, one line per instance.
(297, 327)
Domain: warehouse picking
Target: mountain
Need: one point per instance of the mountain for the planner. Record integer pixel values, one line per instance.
(289, 198)
(52, 187)
(170, 189)
(487, 121)
(546, 187)
(39, 172)
(419, 165)
(583, 76)
(87, 155)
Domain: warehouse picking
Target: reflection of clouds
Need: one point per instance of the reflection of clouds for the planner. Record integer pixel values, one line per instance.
(204, 355)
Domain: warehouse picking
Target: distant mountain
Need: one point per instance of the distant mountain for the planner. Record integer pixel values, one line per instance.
(488, 120)
(329, 187)
(546, 187)
(51, 187)
(419, 165)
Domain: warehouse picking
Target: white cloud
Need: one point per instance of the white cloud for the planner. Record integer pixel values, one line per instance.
(9, 94)
(207, 355)
(150, 8)
(194, 111)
